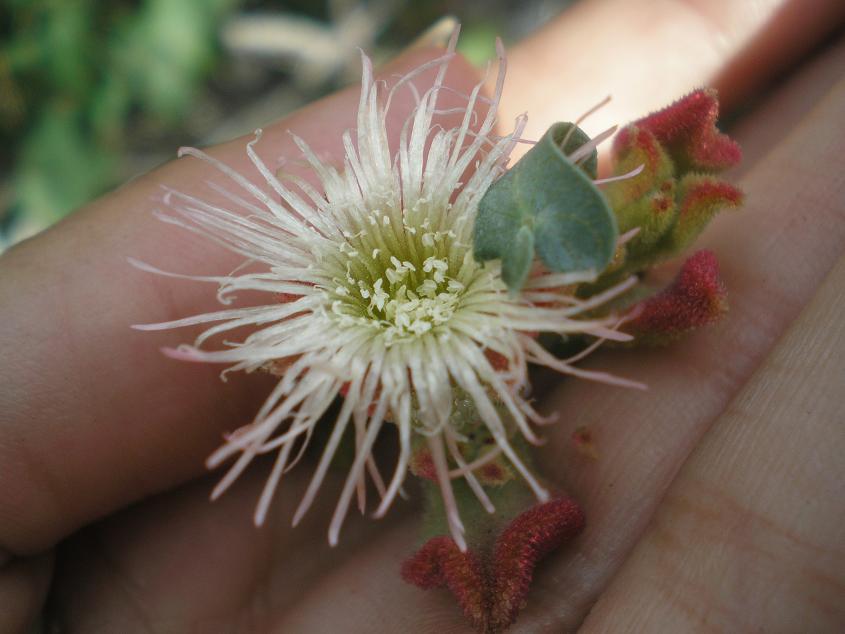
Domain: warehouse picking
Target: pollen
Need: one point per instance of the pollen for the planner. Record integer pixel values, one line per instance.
(409, 288)
(391, 310)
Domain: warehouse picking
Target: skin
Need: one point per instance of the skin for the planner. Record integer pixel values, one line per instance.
(715, 503)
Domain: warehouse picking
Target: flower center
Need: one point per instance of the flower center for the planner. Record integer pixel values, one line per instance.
(403, 278)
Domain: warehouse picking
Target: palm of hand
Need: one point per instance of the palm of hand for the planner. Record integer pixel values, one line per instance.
(177, 563)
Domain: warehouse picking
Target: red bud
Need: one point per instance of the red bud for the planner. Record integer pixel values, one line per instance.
(695, 298)
(688, 128)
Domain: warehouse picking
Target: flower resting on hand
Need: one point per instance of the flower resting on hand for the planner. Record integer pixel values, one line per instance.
(381, 300)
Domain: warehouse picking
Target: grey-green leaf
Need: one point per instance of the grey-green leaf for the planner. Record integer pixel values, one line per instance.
(547, 198)
(516, 262)
(570, 138)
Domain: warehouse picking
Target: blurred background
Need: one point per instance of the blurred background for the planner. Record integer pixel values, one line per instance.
(94, 92)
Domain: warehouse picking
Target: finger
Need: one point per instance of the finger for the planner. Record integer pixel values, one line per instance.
(647, 54)
(749, 535)
(380, 603)
(23, 586)
(177, 561)
(94, 416)
(766, 126)
(774, 255)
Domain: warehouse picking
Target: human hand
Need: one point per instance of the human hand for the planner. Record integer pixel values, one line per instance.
(95, 418)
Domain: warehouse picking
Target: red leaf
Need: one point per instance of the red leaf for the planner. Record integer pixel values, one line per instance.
(528, 539)
(441, 563)
(491, 588)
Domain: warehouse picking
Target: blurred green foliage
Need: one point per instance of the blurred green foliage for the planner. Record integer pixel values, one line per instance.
(72, 75)
(95, 91)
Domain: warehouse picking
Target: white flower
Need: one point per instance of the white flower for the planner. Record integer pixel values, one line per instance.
(386, 304)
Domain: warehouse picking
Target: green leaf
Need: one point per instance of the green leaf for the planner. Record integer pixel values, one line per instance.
(546, 202)
(516, 262)
(570, 137)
